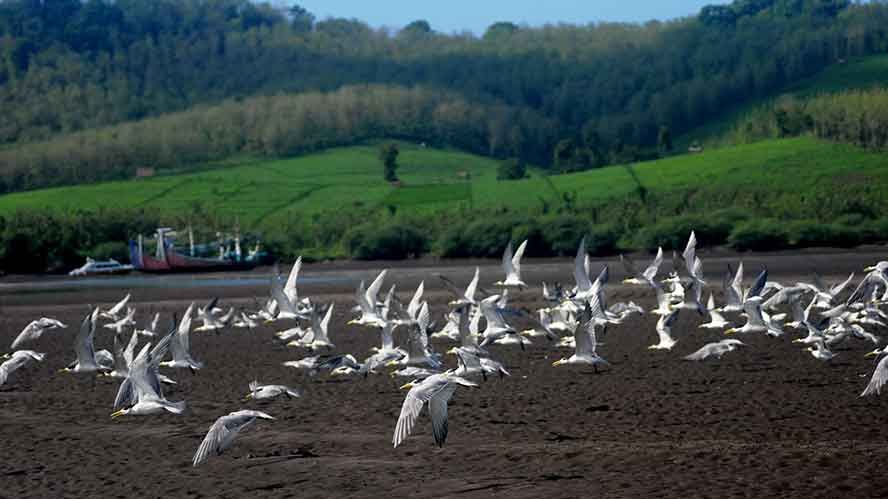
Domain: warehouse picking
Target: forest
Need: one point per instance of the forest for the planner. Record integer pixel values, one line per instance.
(565, 97)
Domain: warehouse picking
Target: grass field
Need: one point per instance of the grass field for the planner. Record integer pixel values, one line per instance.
(856, 74)
(264, 193)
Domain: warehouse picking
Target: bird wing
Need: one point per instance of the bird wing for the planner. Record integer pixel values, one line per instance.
(83, 343)
(516, 258)
(629, 266)
(212, 442)
(701, 354)
(438, 413)
(690, 253)
(416, 301)
(758, 286)
(880, 376)
(410, 410)
(290, 286)
(325, 324)
(650, 273)
(507, 266)
(473, 285)
(373, 290)
(580, 273)
(839, 287)
(280, 297)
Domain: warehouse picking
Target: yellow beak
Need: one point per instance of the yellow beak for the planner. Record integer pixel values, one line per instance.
(408, 385)
(115, 415)
(248, 396)
(870, 354)
(869, 269)
(730, 331)
(557, 363)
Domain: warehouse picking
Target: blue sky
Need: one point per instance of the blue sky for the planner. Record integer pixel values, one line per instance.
(475, 15)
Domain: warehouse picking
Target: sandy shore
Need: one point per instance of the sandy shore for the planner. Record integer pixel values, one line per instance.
(767, 421)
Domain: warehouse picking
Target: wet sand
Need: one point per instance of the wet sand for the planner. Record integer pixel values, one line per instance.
(767, 421)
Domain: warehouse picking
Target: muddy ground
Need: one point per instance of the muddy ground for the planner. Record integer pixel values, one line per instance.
(766, 421)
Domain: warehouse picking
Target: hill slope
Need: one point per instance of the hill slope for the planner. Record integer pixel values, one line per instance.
(263, 193)
(856, 74)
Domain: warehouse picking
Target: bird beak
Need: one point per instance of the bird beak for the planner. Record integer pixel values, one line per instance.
(797, 341)
(452, 351)
(391, 363)
(406, 386)
(869, 269)
(5, 355)
(64, 370)
(248, 397)
(557, 363)
(352, 322)
(115, 415)
(870, 354)
(730, 331)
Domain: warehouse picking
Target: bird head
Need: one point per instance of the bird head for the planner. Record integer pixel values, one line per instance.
(408, 385)
(117, 414)
(248, 396)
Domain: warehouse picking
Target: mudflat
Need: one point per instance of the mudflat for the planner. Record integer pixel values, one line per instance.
(767, 420)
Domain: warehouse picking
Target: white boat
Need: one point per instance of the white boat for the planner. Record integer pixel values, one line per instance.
(104, 267)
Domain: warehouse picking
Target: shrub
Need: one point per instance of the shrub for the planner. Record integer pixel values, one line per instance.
(673, 233)
(389, 242)
(118, 250)
(809, 234)
(486, 237)
(759, 235)
(563, 233)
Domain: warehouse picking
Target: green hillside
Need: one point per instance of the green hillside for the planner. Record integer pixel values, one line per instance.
(856, 74)
(263, 193)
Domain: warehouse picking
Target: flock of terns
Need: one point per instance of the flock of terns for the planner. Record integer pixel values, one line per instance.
(572, 318)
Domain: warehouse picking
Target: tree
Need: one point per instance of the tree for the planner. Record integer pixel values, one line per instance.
(388, 154)
(499, 30)
(511, 169)
(301, 20)
(664, 139)
(417, 29)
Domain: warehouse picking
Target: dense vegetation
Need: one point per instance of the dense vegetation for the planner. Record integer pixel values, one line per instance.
(775, 194)
(856, 117)
(584, 95)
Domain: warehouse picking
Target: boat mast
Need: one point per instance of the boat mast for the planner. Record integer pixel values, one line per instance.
(191, 240)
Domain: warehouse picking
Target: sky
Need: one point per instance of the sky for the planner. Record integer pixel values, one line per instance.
(475, 15)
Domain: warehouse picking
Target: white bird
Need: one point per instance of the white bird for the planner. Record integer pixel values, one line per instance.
(124, 322)
(436, 391)
(290, 286)
(755, 322)
(497, 330)
(716, 349)
(317, 336)
(123, 355)
(151, 330)
(512, 267)
(142, 385)
(268, 392)
(180, 346)
(586, 344)
(114, 312)
(83, 346)
(223, 431)
(471, 364)
(35, 329)
(820, 351)
(664, 332)
(17, 360)
(368, 303)
(880, 374)
(649, 273)
(466, 297)
(717, 321)
(418, 353)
